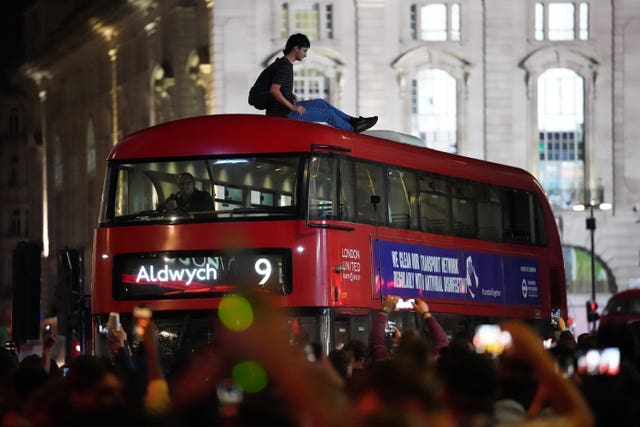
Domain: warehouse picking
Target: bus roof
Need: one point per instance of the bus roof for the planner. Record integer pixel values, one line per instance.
(237, 134)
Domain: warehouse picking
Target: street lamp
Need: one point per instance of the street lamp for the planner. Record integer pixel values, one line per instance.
(591, 226)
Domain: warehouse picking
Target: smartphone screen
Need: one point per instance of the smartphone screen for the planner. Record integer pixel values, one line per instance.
(404, 304)
(599, 362)
(390, 329)
(609, 361)
(555, 313)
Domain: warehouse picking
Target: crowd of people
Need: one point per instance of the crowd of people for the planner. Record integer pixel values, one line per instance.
(262, 374)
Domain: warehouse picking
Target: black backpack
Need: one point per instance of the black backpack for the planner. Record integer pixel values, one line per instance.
(259, 95)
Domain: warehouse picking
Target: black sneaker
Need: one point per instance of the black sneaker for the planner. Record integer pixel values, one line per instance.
(364, 123)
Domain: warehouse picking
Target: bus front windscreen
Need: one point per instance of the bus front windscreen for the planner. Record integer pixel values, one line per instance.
(202, 189)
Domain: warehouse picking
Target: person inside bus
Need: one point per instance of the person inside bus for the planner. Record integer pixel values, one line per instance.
(188, 198)
(284, 103)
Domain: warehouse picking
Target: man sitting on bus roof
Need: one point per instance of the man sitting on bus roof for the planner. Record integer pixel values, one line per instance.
(188, 198)
(284, 103)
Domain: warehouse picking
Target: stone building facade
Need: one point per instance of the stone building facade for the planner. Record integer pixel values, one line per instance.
(491, 79)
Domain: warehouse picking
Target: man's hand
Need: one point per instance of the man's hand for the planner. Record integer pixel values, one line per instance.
(421, 307)
(299, 109)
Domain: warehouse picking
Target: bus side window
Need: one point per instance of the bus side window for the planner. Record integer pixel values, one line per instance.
(262, 198)
(401, 187)
(540, 227)
(463, 217)
(434, 204)
(227, 197)
(518, 215)
(346, 188)
(286, 199)
(322, 187)
(463, 209)
(370, 182)
(489, 214)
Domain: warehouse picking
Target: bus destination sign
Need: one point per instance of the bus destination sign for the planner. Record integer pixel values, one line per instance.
(201, 274)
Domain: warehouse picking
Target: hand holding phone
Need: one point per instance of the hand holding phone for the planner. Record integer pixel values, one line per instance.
(421, 307)
(114, 321)
(390, 329)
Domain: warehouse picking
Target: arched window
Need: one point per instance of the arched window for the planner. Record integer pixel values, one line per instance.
(434, 109)
(577, 265)
(311, 84)
(433, 90)
(561, 136)
(561, 94)
(91, 149)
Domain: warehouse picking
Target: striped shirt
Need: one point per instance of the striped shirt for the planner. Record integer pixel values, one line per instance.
(283, 76)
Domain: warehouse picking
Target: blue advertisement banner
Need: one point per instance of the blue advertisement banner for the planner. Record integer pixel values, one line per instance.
(410, 271)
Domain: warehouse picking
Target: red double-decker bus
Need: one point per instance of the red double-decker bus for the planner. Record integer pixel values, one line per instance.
(324, 221)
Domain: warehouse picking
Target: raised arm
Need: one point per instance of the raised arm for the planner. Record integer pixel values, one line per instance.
(431, 325)
(377, 338)
(571, 410)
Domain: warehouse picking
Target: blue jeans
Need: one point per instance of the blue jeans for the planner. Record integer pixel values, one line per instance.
(319, 110)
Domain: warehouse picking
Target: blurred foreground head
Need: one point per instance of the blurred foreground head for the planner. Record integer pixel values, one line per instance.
(395, 393)
(470, 380)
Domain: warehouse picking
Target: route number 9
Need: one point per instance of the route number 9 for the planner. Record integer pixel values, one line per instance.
(263, 268)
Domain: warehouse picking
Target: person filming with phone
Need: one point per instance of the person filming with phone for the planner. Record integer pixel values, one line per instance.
(384, 331)
(188, 198)
(49, 337)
